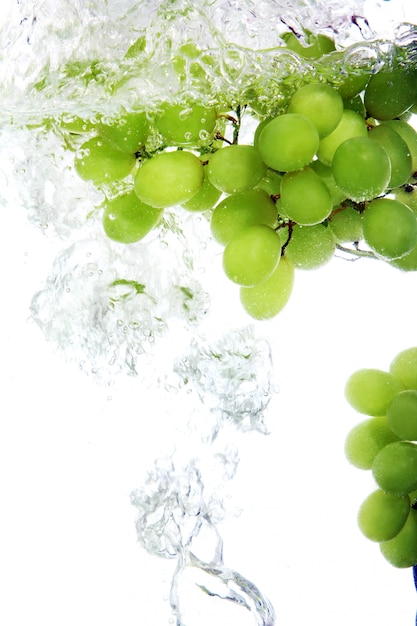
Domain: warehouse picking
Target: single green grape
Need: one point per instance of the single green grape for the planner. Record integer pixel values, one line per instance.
(355, 104)
(402, 414)
(389, 93)
(366, 439)
(409, 134)
(361, 168)
(252, 255)
(305, 197)
(398, 153)
(321, 104)
(271, 183)
(187, 124)
(346, 225)
(126, 219)
(382, 515)
(288, 142)
(169, 178)
(370, 391)
(127, 132)
(404, 368)
(266, 299)
(401, 551)
(350, 125)
(389, 228)
(235, 168)
(239, 210)
(97, 160)
(205, 198)
(317, 45)
(395, 468)
(309, 247)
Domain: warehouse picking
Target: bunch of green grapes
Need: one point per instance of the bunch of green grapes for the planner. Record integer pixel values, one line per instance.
(337, 166)
(386, 443)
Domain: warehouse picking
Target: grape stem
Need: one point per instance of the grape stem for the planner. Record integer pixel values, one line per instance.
(356, 251)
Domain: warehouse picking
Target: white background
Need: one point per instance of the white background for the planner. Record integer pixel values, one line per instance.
(71, 452)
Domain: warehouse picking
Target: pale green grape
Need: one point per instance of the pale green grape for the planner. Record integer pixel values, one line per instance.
(409, 134)
(366, 439)
(361, 168)
(310, 247)
(252, 255)
(401, 551)
(346, 225)
(127, 132)
(97, 160)
(350, 125)
(169, 178)
(305, 197)
(205, 198)
(402, 415)
(404, 368)
(288, 142)
(317, 45)
(326, 174)
(370, 391)
(235, 168)
(322, 104)
(126, 219)
(240, 210)
(268, 298)
(389, 228)
(186, 124)
(271, 183)
(382, 515)
(398, 152)
(395, 468)
(389, 93)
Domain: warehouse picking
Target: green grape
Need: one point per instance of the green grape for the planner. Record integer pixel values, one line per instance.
(77, 125)
(366, 439)
(98, 161)
(370, 391)
(355, 104)
(288, 142)
(398, 153)
(235, 168)
(395, 468)
(389, 93)
(310, 247)
(326, 174)
(186, 124)
(407, 194)
(268, 298)
(317, 45)
(169, 178)
(205, 198)
(408, 262)
(382, 515)
(351, 125)
(389, 228)
(305, 197)
(346, 225)
(271, 183)
(401, 551)
(361, 168)
(321, 104)
(252, 255)
(239, 210)
(404, 368)
(402, 414)
(127, 132)
(126, 219)
(409, 134)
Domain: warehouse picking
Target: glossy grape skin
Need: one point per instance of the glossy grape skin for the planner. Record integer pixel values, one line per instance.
(366, 439)
(389, 228)
(239, 210)
(127, 132)
(321, 104)
(402, 415)
(404, 368)
(361, 168)
(98, 161)
(252, 255)
(370, 391)
(265, 300)
(389, 93)
(235, 168)
(288, 142)
(382, 515)
(395, 468)
(351, 125)
(305, 197)
(401, 551)
(126, 219)
(398, 152)
(310, 247)
(169, 178)
(347, 225)
(188, 124)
